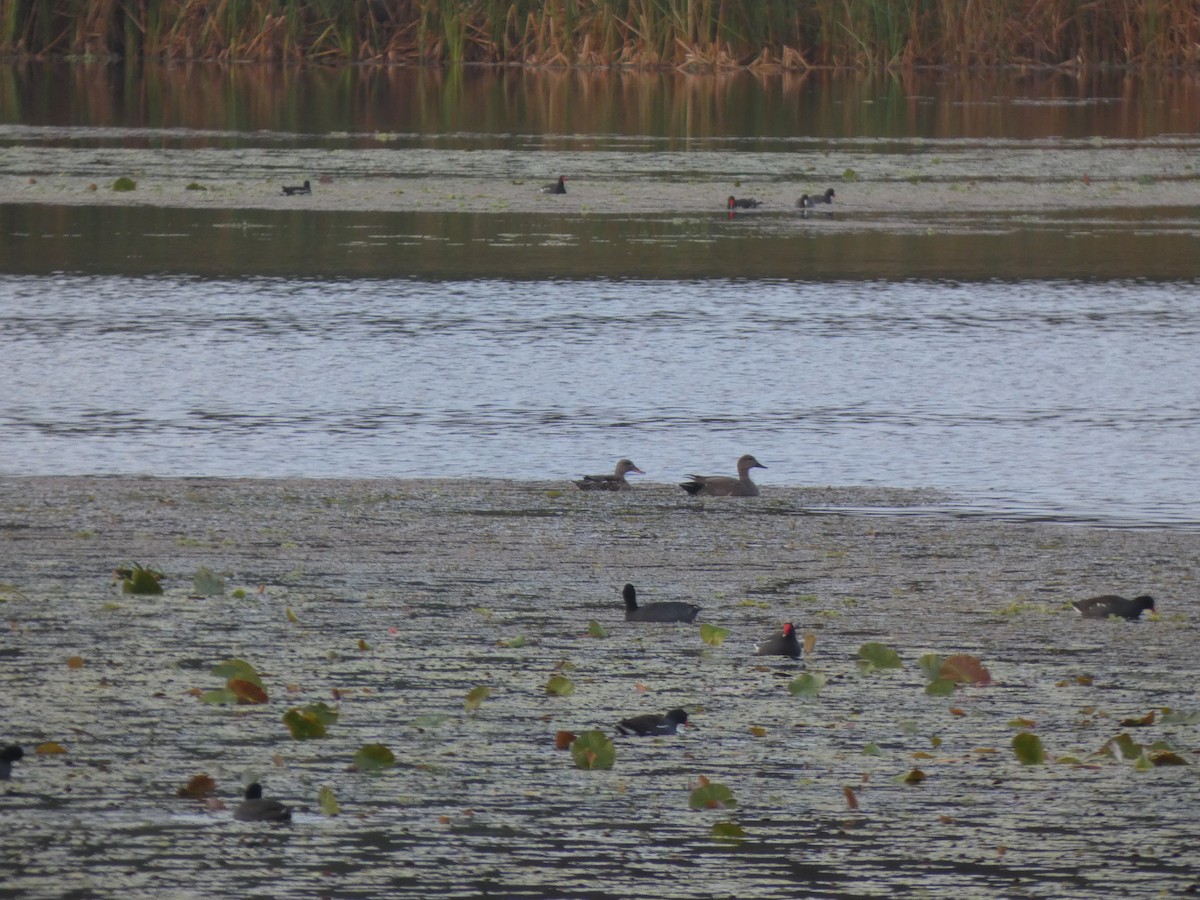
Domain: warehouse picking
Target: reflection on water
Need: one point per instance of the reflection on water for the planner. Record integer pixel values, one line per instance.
(516, 109)
(1118, 244)
(1066, 397)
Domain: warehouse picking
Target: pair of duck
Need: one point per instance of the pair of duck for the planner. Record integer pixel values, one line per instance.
(805, 203)
(702, 485)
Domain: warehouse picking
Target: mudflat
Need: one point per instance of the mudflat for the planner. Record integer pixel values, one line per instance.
(391, 600)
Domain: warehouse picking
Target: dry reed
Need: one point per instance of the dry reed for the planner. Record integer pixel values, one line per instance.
(691, 34)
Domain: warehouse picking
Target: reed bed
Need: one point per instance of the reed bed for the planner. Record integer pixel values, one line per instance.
(689, 34)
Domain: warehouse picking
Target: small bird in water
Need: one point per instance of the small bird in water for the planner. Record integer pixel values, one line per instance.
(1111, 605)
(726, 485)
(746, 203)
(291, 189)
(8, 756)
(807, 203)
(254, 808)
(556, 187)
(653, 724)
(657, 612)
(613, 482)
(784, 644)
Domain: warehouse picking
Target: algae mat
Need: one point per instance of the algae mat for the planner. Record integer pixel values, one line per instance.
(392, 600)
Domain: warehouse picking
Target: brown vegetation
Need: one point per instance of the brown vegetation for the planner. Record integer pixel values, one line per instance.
(693, 34)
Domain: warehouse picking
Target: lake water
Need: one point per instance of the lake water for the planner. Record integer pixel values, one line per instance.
(1037, 366)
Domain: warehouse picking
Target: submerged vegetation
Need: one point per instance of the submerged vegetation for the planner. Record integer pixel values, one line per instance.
(697, 34)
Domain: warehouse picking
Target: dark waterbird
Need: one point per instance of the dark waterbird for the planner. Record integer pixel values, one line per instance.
(8, 756)
(291, 189)
(726, 485)
(613, 482)
(657, 612)
(807, 203)
(1111, 605)
(783, 644)
(256, 808)
(556, 187)
(653, 724)
(744, 203)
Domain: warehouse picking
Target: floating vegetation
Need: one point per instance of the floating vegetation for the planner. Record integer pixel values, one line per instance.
(307, 723)
(596, 630)
(713, 635)
(242, 685)
(374, 758)
(728, 831)
(1028, 748)
(124, 184)
(711, 795)
(873, 655)
(198, 788)
(560, 686)
(944, 675)
(476, 696)
(137, 579)
(327, 801)
(205, 583)
(593, 750)
(807, 685)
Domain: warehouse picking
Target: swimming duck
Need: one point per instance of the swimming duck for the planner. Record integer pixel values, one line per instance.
(653, 724)
(614, 482)
(8, 756)
(305, 188)
(1111, 605)
(556, 187)
(257, 809)
(784, 644)
(747, 203)
(725, 485)
(657, 612)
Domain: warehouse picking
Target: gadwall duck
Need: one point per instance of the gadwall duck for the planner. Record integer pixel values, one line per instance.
(746, 203)
(613, 482)
(784, 644)
(8, 756)
(556, 187)
(657, 612)
(1111, 605)
(291, 189)
(807, 203)
(725, 485)
(255, 808)
(653, 724)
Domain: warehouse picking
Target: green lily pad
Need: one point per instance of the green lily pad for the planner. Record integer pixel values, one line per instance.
(806, 685)
(593, 750)
(237, 668)
(476, 697)
(429, 720)
(514, 643)
(873, 655)
(941, 687)
(124, 183)
(1028, 748)
(596, 630)
(309, 723)
(713, 635)
(139, 580)
(205, 583)
(374, 758)
(871, 749)
(931, 666)
(219, 697)
(728, 831)
(560, 686)
(711, 795)
(327, 801)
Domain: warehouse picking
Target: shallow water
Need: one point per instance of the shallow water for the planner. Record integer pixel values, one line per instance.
(1071, 399)
(433, 577)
